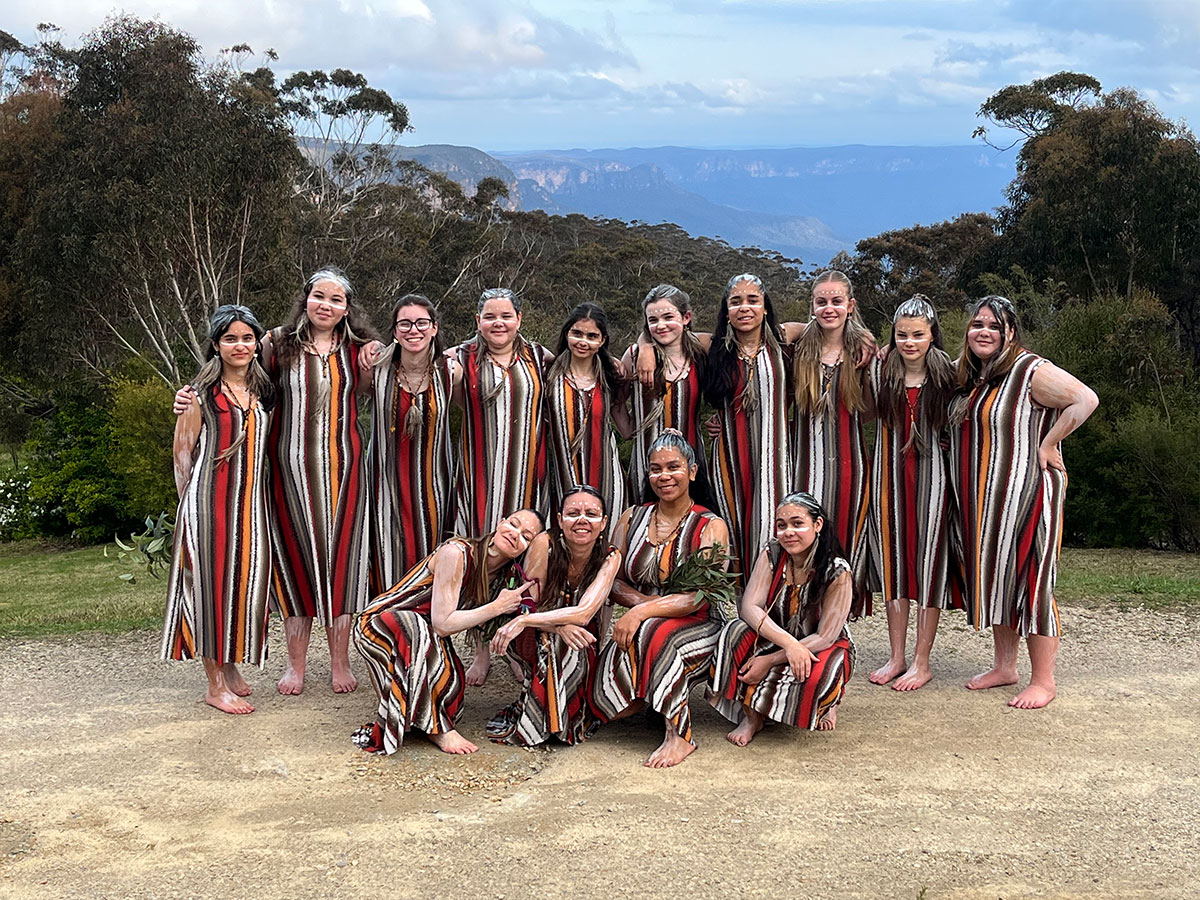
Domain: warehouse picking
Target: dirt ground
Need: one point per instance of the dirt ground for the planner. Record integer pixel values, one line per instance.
(116, 781)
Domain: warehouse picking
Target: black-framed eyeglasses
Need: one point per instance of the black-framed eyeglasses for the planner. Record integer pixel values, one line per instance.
(410, 324)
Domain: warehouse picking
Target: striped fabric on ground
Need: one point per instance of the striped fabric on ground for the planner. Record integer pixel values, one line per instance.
(829, 460)
(751, 469)
(412, 477)
(570, 411)
(780, 696)
(221, 569)
(504, 455)
(319, 532)
(910, 502)
(1010, 511)
(667, 656)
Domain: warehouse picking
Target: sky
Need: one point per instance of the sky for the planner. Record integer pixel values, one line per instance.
(519, 75)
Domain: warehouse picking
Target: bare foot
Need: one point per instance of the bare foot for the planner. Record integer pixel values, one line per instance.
(292, 681)
(886, 672)
(478, 673)
(751, 724)
(227, 701)
(452, 742)
(992, 678)
(234, 680)
(828, 721)
(916, 677)
(1034, 697)
(343, 679)
(671, 752)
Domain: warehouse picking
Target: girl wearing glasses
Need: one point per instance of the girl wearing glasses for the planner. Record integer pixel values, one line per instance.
(221, 569)
(412, 466)
(554, 644)
(583, 389)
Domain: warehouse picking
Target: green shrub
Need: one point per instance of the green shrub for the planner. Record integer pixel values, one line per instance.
(143, 431)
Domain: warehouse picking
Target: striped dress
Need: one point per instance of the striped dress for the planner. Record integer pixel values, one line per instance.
(555, 685)
(1010, 511)
(412, 477)
(417, 674)
(575, 415)
(910, 503)
(829, 460)
(667, 656)
(780, 697)
(750, 465)
(679, 408)
(503, 451)
(319, 526)
(221, 567)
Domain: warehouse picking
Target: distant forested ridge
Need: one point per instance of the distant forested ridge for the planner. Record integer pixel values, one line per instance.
(141, 185)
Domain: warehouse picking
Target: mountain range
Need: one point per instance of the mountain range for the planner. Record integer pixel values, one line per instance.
(804, 202)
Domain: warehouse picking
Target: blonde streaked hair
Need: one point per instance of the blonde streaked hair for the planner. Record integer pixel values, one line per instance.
(807, 373)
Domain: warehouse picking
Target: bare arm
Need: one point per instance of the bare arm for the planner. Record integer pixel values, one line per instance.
(619, 407)
(792, 331)
(456, 382)
(449, 568)
(835, 609)
(187, 436)
(683, 604)
(1056, 388)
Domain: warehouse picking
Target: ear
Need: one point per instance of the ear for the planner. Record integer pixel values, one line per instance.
(687, 318)
(818, 525)
(693, 471)
(850, 306)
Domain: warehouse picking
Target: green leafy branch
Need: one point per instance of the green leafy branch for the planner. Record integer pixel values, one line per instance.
(151, 550)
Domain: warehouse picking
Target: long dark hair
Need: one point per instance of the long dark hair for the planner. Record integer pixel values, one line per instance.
(826, 547)
(692, 350)
(258, 382)
(555, 593)
(606, 376)
(392, 355)
(934, 398)
(970, 370)
(721, 368)
(296, 332)
(699, 490)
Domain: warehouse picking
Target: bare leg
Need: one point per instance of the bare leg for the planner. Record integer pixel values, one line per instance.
(1043, 654)
(919, 673)
(751, 724)
(338, 636)
(478, 673)
(297, 630)
(452, 742)
(234, 680)
(828, 721)
(1005, 642)
(671, 752)
(897, 621)
(218, 695)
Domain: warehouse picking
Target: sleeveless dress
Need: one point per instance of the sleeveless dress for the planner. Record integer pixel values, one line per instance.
(780, 697)
(679, 408)
(412, 477)
(1010, 512)
(556, 682)
(910, 506)
(829, 460)
(583, 444)
(750, 464)
(221, 566)
(667, 656)
(417, 674)
(503, 445)
(319, 525)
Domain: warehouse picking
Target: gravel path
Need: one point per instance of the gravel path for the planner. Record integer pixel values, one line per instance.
(118, 782)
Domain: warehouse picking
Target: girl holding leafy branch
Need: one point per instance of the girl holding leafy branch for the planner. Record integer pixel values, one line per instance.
(674, 572)
(404, 636)
(221, 568)
(554, 644)
(789, 655)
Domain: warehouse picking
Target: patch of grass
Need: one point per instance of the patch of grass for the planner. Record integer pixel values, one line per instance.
(46, 590)
(1130, 578)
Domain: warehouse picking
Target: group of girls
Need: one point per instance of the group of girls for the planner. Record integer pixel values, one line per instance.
(960, 505)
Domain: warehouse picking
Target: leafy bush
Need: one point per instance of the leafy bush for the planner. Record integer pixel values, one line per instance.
(19, 515)
(143, 429)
